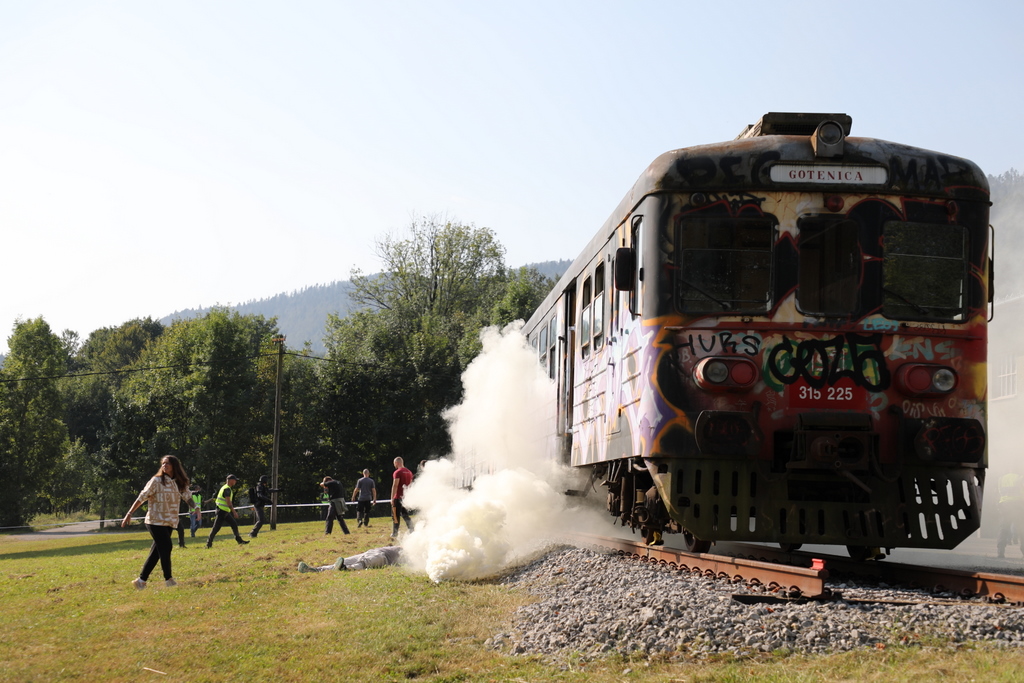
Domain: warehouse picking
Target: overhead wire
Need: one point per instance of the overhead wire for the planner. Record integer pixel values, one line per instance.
(127, 371)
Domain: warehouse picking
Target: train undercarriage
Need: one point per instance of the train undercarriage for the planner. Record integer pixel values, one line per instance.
(738, 500)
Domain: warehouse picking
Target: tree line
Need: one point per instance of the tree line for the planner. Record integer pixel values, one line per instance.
(83, 423)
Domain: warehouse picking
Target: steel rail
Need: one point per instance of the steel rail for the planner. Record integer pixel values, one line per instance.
(995, 587)
(794, 581)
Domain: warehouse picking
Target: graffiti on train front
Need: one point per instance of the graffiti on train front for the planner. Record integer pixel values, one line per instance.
(697, 345)
(823, 362)
(923, 349)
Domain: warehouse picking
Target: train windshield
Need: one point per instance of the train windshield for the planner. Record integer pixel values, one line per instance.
(830, 266)
(924, 273)
(725, 264)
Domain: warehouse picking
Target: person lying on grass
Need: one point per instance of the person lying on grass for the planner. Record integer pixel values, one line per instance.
(371, 559)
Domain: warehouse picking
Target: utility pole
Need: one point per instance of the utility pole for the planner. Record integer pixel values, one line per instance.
(277, 430)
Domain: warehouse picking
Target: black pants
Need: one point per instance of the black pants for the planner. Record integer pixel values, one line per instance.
(398, 511)
(222, 517)
(335, 511)
(181, 531)
(260, 513)
(363, 508)
(160, 550)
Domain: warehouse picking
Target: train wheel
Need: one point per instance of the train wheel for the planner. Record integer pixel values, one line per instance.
(790, 547)
(692, 545)
(863, 552)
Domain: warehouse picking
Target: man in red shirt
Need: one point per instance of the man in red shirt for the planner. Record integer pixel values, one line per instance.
(400, 480)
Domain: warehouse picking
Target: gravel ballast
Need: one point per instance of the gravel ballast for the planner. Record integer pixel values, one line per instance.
(593, 604)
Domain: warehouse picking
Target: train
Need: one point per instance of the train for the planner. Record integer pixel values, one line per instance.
(782, 339)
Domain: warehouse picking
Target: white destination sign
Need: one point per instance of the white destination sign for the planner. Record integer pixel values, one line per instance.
(829, 174)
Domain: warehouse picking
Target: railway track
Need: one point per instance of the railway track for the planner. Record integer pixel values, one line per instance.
(996, 588)
(802, 575)
(792, 581)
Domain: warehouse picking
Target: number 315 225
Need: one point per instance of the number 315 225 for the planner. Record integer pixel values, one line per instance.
(806, 393)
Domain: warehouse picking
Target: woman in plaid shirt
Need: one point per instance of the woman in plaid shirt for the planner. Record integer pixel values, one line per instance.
(163, 493)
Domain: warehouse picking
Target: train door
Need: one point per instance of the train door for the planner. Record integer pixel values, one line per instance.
(629, 263)
(616, 348)
(567, 337)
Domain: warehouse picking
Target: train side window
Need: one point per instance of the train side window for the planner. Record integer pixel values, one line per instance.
(599, 307)
(585, 319)
(636, 235)
(544, 345)
(924, 271)
(830, 266)
(614, 304)
(724, 263)
(552, 341)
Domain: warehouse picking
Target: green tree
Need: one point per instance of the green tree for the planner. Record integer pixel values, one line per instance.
(441, 270)
(33, 437)
(524, 291)
(101, 365)
(397, 363)
(207, 398)
(74, 476)
(385, 391)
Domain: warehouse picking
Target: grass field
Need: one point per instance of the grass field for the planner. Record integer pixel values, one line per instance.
(244, 613)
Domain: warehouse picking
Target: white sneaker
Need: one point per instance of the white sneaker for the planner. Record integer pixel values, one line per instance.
(139, 584)
(170, 583)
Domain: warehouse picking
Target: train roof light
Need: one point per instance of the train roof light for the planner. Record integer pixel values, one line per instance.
(794, 123)
(828, 139)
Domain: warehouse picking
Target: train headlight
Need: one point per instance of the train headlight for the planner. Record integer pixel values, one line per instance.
(918, 379)
(725, 374)
(716, 371)
(944, 380)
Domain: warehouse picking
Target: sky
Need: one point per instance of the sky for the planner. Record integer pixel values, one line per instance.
(162, 156)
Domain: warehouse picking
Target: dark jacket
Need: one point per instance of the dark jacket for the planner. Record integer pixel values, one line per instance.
(263, 495)
(335, 489)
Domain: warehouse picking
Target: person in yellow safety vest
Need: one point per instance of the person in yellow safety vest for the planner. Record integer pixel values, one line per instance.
(226, 512)
(325, 501)
(197, 513)
(1011, 505)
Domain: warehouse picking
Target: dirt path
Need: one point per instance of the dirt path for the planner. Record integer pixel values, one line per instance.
(64, 531)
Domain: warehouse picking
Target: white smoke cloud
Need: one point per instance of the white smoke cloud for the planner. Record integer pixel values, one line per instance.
(516, 504)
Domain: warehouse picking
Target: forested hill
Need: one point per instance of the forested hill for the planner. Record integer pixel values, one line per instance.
(301, 315)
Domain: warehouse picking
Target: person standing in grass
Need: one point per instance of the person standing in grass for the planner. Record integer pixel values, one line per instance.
(181, 530)
(262, 500)
(325, 502)
(336, 498)
(364, 496)
(163, 495)
(226, 511)
(399, 481)
(197, 511)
